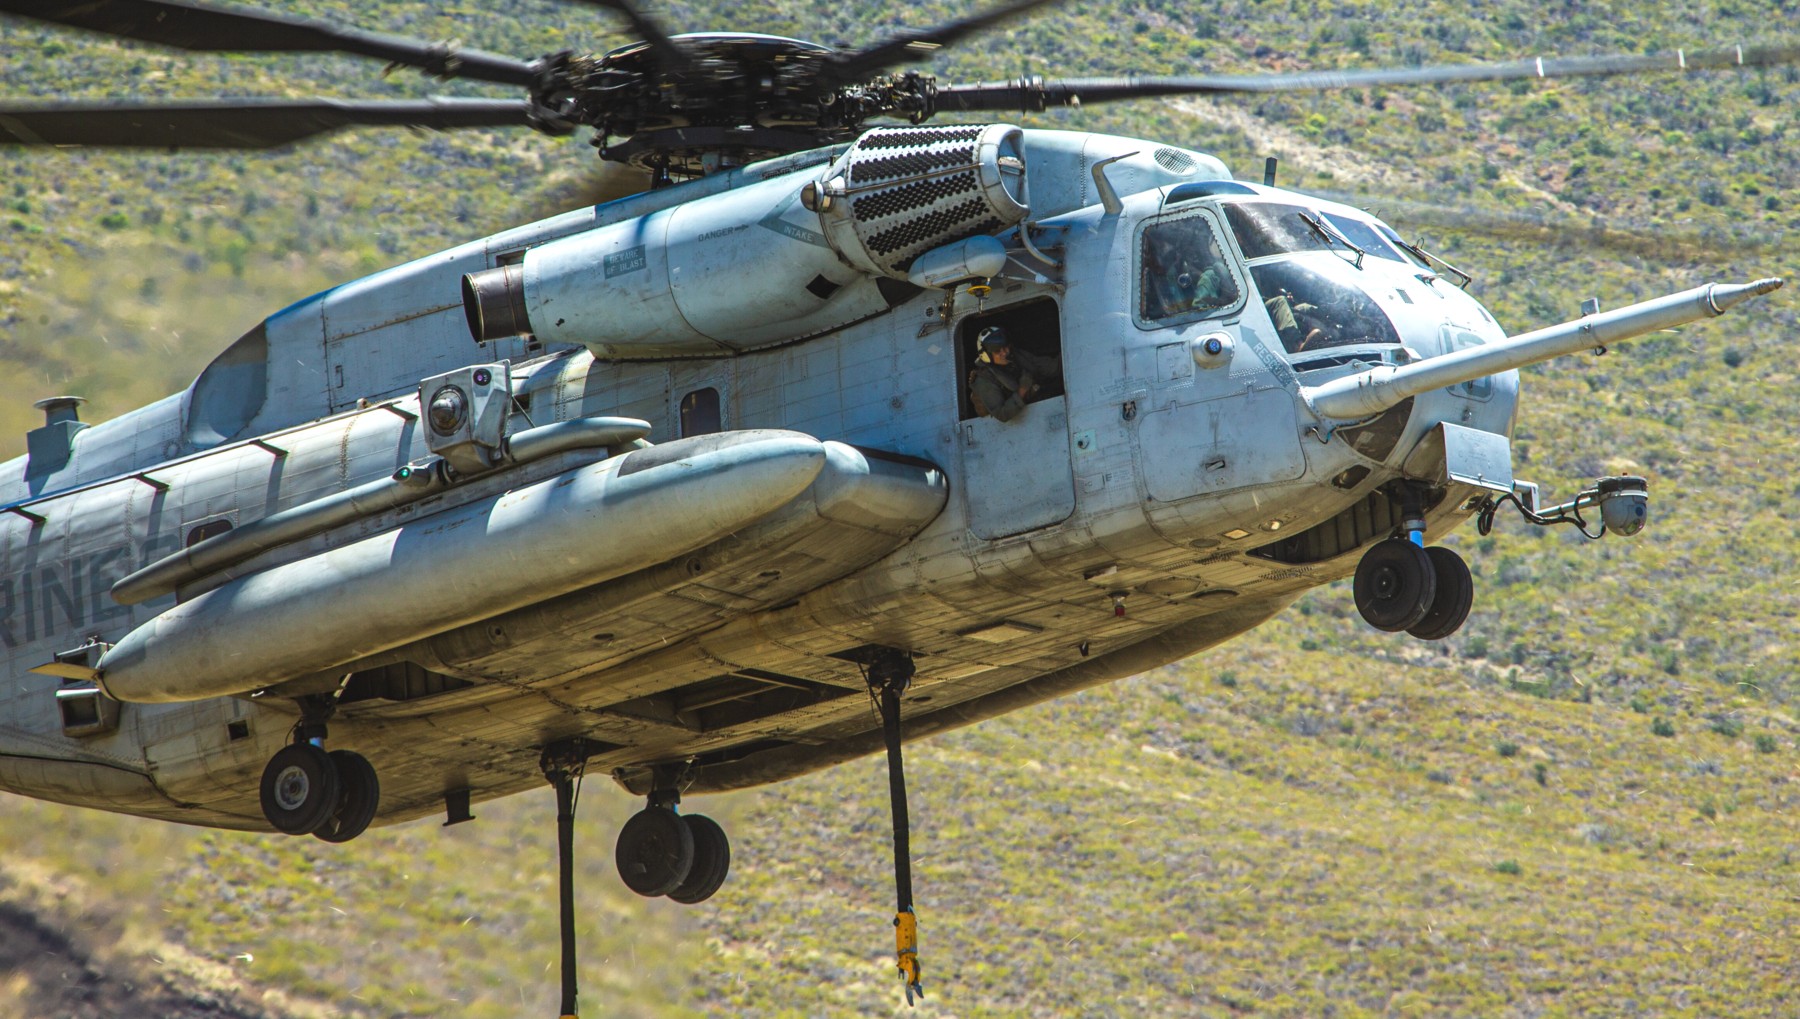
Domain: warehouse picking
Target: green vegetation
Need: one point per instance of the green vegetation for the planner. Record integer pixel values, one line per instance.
(1315, 819)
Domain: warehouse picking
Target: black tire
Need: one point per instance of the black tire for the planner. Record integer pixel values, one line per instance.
(299, 789)
(1395, 585)
(655, 851)
(712, 861)
(1455, 596)
(359, 793)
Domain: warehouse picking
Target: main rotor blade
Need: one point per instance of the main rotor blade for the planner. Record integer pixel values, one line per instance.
(1039, 94)
(922, 43)
(192, 26)
(239, 123)
(671, 55)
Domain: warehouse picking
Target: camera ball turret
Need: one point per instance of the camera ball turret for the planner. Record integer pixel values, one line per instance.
(1624, 504)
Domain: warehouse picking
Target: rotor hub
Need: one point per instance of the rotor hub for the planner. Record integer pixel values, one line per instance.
(734, 98)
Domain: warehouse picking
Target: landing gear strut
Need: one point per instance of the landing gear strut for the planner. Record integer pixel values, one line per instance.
(308, 791)
(662, 851)
(1402, 585)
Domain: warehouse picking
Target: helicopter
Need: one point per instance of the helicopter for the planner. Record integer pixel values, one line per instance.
(717, 447)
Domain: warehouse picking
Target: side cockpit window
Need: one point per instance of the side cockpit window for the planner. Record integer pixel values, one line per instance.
(1183, 271)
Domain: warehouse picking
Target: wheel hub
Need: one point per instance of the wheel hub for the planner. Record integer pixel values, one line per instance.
(1387, 583)
(292, 787)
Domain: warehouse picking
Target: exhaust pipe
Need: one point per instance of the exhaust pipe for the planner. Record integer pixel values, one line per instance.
(494, 303)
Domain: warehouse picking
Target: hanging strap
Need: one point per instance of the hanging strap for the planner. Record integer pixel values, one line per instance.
(563, 764)
(890, 674)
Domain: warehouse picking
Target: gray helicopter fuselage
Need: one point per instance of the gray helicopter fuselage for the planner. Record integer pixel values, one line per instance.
(1173, 488)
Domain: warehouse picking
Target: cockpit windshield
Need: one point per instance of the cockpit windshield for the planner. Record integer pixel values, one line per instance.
(1364, 235)
(1269, 228)
(1275, 228)
(1312, 311)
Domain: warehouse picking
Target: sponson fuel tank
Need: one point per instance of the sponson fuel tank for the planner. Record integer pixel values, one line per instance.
(461, 565)
(765, 263)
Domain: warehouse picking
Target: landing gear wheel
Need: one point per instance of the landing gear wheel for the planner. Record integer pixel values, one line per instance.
(299, 789)
(359, 792)
(655, 851)
(1395, 585)
(712, 861)
(1455, 596)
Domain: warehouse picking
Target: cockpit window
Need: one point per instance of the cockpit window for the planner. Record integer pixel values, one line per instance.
(1311, 311)
(1183, 270)
(1364, 235)
(1269, 228)
(1406, 250)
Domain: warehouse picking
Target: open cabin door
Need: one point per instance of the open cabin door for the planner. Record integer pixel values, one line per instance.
(1017, 475)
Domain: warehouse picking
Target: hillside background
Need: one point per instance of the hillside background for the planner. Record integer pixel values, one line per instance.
(1586, 802)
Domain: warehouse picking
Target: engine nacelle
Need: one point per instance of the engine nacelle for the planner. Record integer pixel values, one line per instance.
(902, 191)
(765, 263)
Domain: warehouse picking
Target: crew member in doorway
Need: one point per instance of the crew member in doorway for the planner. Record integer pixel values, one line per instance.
(1005, 378)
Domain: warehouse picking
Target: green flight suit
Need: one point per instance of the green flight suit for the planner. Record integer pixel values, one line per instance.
(994, 388)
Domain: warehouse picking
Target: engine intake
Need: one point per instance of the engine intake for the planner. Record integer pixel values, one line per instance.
(900, 192)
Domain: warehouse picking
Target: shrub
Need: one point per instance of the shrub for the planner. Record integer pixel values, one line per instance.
(1765, 743)
(1507, 749)
(1728, 727)
(1510, 867)
(1662, 727)
(1596, 834)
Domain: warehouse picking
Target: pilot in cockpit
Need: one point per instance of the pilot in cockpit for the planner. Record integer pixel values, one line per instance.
(1299, 323)
(1310, 311)
(1184, 270)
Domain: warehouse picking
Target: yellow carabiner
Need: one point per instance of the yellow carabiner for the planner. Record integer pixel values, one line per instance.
(906, 952)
